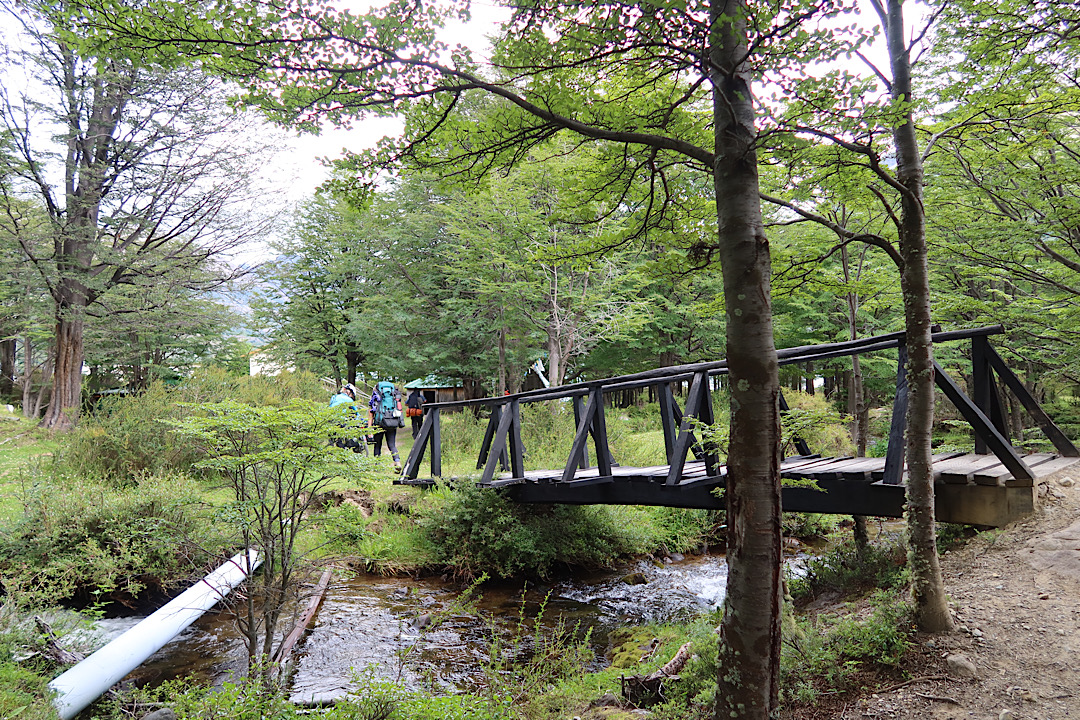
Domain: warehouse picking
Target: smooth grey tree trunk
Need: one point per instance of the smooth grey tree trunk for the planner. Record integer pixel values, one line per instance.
(749, 655)
(928, 588)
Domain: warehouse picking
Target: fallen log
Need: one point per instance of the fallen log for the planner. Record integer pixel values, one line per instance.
(285, 649)
(52, 649)
(645, 690)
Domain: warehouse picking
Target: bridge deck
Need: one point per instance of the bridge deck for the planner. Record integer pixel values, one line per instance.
(851, 486)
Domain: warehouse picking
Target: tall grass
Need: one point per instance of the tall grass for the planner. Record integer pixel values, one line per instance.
(127, 437)
(79, 540)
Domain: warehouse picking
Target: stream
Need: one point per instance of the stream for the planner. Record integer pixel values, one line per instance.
(415, 632)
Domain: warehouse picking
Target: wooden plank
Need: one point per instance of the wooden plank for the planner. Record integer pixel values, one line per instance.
(489, 435)
(705, 415)
(498, 445)
(1052, 466)
(599, 432)
(668, 409)
(806, 469)
(686, 436)
(586, 482)
(851, 469)
(513, 441)
(798, 459)
(823, 470)
(958, 471)
(984, 390)
(577, 448)
(502, 482)
(1000, 474)
(579, 411)
(416, 455)
(436, 443)
(800, 444)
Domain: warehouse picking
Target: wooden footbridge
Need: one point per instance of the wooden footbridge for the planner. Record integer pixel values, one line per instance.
(989, 486)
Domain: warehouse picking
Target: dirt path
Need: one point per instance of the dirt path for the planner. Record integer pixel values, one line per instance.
(1016, 598)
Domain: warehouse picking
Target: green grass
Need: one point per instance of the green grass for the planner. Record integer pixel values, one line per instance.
(21, 444)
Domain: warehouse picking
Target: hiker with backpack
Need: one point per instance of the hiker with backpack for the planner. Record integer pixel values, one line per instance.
(346, 398)
(385, 410)
(414, 410)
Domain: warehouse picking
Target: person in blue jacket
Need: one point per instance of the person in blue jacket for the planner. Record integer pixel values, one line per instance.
(347, 397)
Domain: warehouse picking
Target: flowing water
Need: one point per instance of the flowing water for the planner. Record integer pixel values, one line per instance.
(415, 632)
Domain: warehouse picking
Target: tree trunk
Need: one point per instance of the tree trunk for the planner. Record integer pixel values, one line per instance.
(64, 405)
(7, 366)
(749, 653)
(352, 361)
(932, 611)
(28, 378)
(556, 361)
(501, 389)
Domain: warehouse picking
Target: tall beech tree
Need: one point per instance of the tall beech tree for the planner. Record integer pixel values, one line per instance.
(311, 289)
(141, 173)
(837, 111)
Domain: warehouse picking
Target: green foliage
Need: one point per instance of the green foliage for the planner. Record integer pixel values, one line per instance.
(245, 701)
(808, 525)
(682, 529)
(825, 653)
(23, 694)
(23, 685)
(124, 439)
(847, 570)
(81, 540)
(535, 658)
(274, 460)
(952, 535)
(816, 421)
(129, 436)
(693, 696)
(476, 531)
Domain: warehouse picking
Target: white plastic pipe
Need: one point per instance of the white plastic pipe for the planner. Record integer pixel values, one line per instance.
(86, 681)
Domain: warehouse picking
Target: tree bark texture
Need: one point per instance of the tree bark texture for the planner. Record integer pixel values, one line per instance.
(7, 366)
(749, 654)
(928, 588)
(64, 405)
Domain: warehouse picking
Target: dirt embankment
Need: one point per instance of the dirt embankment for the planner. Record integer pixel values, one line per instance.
(1016, 598)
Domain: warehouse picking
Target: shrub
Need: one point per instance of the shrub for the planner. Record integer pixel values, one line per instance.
(825, 653)
(125, 438)
(78, 540)
(23, 690)
(475, 531)
(846, 570)
(274, 461)
(23, 693)
(818, 423)
(808, 525)
(247, 701)
(128, 436)
(683, 529)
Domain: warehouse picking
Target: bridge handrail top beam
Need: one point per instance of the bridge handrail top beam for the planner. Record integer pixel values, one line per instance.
(676, 373)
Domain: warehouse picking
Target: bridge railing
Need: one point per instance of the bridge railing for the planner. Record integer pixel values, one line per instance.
(502, 448)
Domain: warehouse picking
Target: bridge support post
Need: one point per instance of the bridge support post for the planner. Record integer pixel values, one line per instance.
(579, 412)
(985, 392)
(896, 452)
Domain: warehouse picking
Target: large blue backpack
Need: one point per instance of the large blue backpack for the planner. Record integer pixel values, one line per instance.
(388, 406)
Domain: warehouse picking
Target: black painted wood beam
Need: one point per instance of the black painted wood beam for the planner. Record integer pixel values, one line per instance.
(995, 441)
